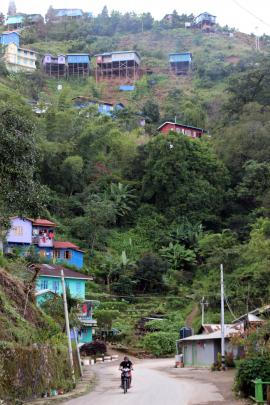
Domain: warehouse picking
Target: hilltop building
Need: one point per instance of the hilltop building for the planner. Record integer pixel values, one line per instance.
(122, 65)
(65, 66)
(188, 130)
(16, 58)
(71, 13)
(78, 64)
(180, 63)
(205, 21)
(19, 59)
(39, 235)
(15, 21)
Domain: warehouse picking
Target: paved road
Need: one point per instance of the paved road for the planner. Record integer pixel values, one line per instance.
(151, 386)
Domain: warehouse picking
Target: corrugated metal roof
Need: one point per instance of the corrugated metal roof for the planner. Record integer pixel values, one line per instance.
(181, 125)
(126, 87)
(78, 58)
(65, 245)
(53, 270)
(69, 12)
(16, 19)
(181, 57)
(230, 330)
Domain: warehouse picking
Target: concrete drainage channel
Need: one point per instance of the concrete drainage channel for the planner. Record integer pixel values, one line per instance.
(84, 385)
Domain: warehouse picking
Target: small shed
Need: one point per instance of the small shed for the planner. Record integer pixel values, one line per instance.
(180, 63)
(202, 350)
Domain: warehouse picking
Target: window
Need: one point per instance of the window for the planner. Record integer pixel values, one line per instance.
(44, 284)
(18, 230)
(56, 254)
(56, 286)
(42, 253)
(67, 255)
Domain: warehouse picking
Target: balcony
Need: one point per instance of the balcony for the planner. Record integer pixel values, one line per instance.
(42, 241)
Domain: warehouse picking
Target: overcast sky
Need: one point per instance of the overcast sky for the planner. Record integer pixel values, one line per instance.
(228, 11)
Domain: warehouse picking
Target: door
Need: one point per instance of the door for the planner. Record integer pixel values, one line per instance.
(194, 353)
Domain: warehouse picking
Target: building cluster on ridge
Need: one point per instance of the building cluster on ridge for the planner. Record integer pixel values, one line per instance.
(124, 66)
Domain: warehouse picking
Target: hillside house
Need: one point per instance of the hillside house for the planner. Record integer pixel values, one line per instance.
(70, 13)
(15, 21)
(33, 19)
(39, 234)
(122, 65)
(54, 65)
(205, 21)
(49, 284)
(19, 59)
(202, 350)
(78, 64)
(188, 130)
(180, 63)
(9, 37)
(104, 107)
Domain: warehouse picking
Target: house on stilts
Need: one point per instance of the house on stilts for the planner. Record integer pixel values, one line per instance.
(122, 65)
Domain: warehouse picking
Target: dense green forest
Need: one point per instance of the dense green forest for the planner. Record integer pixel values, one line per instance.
(156, 214)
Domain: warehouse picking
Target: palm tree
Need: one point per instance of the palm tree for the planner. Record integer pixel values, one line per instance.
(122, 197)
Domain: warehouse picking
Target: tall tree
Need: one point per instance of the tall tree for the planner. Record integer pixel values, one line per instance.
(12, 10)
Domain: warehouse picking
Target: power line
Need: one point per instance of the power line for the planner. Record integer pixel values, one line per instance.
(251, 13)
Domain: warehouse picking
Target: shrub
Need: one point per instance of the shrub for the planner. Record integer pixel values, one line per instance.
(160, 343)
(93, 348)
(249, 370)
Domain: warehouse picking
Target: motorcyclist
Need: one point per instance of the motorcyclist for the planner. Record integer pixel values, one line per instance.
(126, 363)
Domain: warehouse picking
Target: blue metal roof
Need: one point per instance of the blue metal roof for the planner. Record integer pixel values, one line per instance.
(78, 58)
(126, 87)
(69, 12)
(10, 37)
(181, 57)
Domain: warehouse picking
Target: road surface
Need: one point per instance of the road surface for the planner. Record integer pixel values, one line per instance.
(151, 385)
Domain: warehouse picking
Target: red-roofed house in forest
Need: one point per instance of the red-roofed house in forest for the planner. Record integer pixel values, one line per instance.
(26, 233)
(188, 130)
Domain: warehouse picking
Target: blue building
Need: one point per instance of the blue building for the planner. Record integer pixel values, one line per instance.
(9, 37)
(205, 22)
(68, 13)
(78, 64)
(49, 285)
(39, 234)
(180, 63)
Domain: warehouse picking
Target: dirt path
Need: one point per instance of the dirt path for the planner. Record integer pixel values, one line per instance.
(152, 384)
(192, 316)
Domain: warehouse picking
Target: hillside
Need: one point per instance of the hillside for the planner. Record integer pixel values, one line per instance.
(156, 215)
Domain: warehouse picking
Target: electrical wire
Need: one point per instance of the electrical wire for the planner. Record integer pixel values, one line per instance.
(251, 13)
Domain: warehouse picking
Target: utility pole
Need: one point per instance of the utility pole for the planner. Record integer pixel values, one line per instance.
(257, 39)
(67, 327)
(222, 319)
(203, 304)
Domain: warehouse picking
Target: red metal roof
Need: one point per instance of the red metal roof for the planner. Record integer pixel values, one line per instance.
(65, 245)
(42, 222)
(181, 125)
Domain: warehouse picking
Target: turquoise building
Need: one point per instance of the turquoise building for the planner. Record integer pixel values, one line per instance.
(49, 284)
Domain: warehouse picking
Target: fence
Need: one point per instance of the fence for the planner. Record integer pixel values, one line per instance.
(260, 391)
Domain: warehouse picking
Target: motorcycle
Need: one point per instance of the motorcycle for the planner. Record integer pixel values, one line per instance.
(125, 379)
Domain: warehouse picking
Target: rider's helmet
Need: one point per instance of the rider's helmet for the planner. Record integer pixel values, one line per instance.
(126, 358)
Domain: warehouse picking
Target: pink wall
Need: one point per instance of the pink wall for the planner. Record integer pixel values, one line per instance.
(20, 231)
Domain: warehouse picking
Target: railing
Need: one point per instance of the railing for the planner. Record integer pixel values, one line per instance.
(259, 397)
